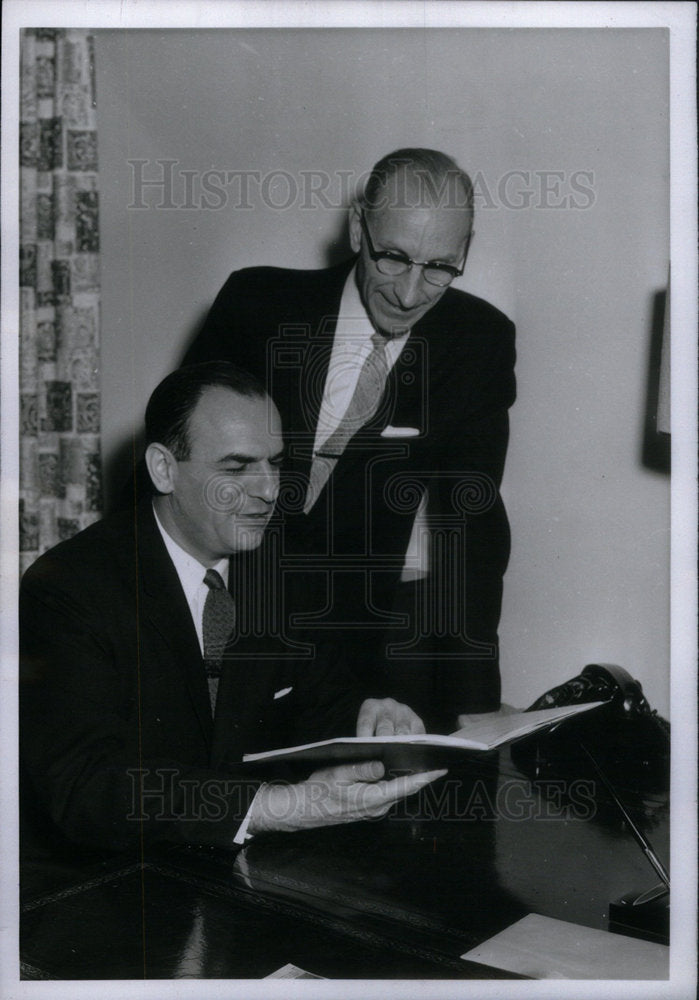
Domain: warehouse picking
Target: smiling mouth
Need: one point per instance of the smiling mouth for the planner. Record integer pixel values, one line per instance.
(399, 319)
(396, 307)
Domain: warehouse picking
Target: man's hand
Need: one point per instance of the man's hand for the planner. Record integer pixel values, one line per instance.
(332, 795)
(386, 717)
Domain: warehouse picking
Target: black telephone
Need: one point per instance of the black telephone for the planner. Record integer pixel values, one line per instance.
(625, 747)
(628, 739)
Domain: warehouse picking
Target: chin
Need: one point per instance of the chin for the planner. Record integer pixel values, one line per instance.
(248, 538)
(390, 320)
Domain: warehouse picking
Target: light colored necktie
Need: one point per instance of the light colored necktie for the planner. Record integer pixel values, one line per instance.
(368, 391)
(218, 625)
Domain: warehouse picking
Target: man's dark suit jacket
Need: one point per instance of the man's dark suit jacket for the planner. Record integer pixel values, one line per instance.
(112, 682)
(454, 382)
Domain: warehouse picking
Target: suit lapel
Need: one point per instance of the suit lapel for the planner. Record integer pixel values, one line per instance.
(163, 603)
(310, 358)
(249, 667)
(245, 695)
(251, 663)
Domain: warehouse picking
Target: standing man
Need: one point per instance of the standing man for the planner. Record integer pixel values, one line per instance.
(137, 698)
(394, 390)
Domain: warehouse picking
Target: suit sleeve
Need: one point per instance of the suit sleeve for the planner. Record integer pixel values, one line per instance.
(230, 330)
(83, 754)
(472, 467)
(460, 602)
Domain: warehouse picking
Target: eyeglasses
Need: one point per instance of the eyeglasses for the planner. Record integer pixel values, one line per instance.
(393, 262)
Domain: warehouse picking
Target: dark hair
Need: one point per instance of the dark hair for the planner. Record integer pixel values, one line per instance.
(439, 175)
(173, 401)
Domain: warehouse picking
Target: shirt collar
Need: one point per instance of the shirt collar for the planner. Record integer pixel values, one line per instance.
(189, 570)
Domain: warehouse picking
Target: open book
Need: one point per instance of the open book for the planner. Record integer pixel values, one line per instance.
(423, 751)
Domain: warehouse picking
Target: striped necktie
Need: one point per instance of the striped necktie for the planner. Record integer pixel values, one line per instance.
(363, 405)
(218, 625)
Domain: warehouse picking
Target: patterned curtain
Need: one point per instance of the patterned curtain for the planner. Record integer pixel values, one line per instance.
(60, 467)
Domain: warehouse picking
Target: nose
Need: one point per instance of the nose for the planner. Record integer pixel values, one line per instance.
(264, 484)
(409, 288)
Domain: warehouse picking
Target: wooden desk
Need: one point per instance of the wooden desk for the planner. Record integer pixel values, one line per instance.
(402, 898)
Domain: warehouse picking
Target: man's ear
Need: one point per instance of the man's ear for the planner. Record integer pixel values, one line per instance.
(355, 226)
(162, 467)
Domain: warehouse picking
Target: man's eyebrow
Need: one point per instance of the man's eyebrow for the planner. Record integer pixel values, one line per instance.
(392, 248)
(246, 459)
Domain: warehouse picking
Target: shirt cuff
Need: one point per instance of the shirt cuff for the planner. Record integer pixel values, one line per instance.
(242, 836)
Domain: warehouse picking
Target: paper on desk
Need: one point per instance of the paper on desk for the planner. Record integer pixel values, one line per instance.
(544, 948)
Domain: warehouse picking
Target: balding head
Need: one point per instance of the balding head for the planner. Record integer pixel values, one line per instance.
(417, 206)
(419, 178)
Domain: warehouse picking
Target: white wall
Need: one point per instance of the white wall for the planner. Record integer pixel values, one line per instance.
(589, 576)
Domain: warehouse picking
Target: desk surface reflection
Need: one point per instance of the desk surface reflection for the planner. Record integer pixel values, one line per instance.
(401, 898)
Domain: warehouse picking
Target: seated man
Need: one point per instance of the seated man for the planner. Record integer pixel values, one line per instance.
(138, 695)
